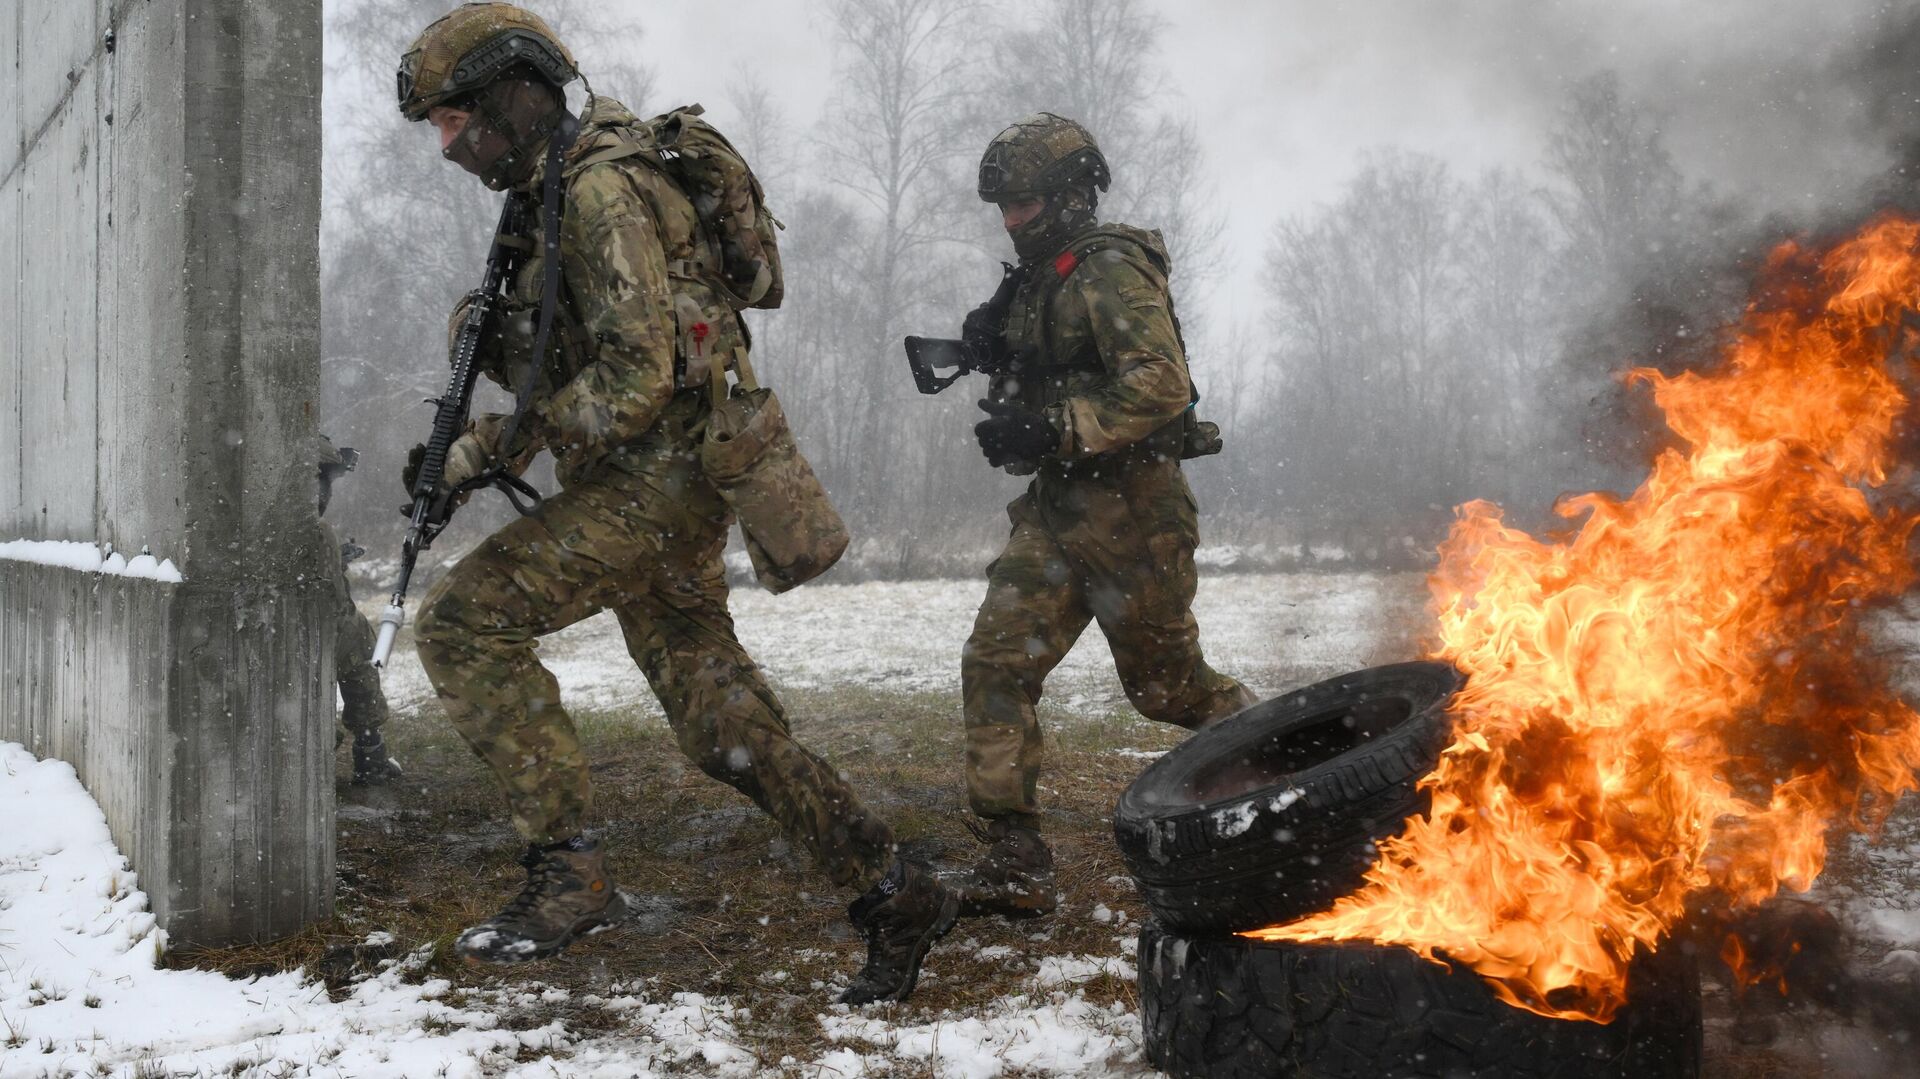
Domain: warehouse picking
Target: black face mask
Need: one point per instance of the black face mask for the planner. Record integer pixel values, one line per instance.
(1064, 216)
(512, 120)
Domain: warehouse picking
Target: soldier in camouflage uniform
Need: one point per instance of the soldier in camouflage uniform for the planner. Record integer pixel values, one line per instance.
(621, 401)
(363, 709)
(1091, 396)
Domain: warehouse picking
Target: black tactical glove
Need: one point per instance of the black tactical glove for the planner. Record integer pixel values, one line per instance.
(410, 471)
(1011, 433)
(983, 334)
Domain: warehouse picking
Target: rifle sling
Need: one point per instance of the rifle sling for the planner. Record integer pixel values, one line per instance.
(552, 208)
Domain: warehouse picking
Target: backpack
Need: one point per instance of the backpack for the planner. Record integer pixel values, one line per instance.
(729, 201)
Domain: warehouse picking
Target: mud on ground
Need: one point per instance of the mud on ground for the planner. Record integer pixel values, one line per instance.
(726, 907)
(729, 910)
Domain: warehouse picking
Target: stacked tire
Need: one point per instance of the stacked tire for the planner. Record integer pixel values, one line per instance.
(1274, 813)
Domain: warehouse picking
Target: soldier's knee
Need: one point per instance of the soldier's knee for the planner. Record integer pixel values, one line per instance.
(459, 608)
(992, 654)
(439, 622)
(723, 750)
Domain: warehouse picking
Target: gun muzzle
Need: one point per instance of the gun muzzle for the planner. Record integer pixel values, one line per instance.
(390, 620)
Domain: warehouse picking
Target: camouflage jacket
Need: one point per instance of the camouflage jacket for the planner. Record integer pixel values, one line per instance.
(632, 326)
(1093, 343)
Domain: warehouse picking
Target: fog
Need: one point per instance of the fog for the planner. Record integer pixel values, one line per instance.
(1559, 190)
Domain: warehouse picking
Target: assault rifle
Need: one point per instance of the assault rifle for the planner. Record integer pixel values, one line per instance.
(433, 505)
(982, 345)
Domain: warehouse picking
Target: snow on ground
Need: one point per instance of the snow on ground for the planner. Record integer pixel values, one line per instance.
(1273, 631)
(81, 994)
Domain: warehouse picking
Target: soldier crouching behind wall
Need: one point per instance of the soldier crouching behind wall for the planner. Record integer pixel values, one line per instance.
(363, 705)
(638, 529)
(1092, 397)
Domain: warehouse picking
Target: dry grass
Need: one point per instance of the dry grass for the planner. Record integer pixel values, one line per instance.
(730, 907)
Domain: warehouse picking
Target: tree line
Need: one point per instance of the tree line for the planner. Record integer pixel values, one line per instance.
(1424, 338)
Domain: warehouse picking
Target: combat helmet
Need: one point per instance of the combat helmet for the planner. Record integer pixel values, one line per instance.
(472, 45)
(1041, 155)
(1051, 158)
(503, 65)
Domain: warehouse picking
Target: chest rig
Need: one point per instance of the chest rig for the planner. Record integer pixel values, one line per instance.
(1044, 369)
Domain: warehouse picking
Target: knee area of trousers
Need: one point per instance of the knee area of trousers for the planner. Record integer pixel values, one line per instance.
(989, 653)
(722, 750)
(725, 761)
(460, 619)
(443, 620)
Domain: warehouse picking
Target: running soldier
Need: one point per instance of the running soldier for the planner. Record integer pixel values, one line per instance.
(1091, 396)
(621, 401)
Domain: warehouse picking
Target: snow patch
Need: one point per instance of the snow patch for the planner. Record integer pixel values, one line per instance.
(1057, 971)
(80, 983)
(1235, 820)
(1270, 630)
(89, 558)
(1065, 1035)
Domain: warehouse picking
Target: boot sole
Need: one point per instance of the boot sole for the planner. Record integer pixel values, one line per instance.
(992, 902)
(609, 916)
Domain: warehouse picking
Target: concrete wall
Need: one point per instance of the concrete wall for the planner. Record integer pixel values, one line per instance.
(159, 206)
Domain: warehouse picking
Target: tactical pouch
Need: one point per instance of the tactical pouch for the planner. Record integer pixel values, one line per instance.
(792, 532)
(1199, 438)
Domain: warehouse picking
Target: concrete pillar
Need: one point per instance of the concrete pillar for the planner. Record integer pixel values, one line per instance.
(159, 209)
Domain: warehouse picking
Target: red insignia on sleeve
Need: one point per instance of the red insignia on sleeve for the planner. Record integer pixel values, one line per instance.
(1065, 263)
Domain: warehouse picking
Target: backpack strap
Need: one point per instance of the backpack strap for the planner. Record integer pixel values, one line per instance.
(552, 210)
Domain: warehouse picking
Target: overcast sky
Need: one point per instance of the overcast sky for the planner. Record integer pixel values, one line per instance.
(1287, 94)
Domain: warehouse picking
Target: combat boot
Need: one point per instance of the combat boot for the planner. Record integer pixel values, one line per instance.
(567, 894)
(901, 917)
(371, 764)
(1015, 877)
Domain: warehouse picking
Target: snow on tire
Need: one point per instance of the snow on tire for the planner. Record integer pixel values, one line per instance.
(1272, 813)
(1233, 1008)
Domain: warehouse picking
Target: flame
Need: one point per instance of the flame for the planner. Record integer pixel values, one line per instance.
(1675, 701)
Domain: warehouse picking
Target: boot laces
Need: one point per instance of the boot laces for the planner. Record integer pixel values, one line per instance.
(543, 875)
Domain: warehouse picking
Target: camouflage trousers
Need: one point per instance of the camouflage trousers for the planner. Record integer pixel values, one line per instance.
(363, 704)
(1116, 548)
(641, 535)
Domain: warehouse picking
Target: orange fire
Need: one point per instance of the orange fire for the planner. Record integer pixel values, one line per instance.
(1673, 703)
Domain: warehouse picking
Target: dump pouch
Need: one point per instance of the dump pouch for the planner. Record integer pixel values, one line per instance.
(1198, 438)
(792, 532)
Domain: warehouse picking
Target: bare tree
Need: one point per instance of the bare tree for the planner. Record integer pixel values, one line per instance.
(1619, 189)
(1511, 328)
(404, 233)
(889, 140)
(763, 134)
(1098, 62)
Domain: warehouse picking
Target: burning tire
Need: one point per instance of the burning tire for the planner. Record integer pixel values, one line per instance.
(1232, 1008)
(1272, 814)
